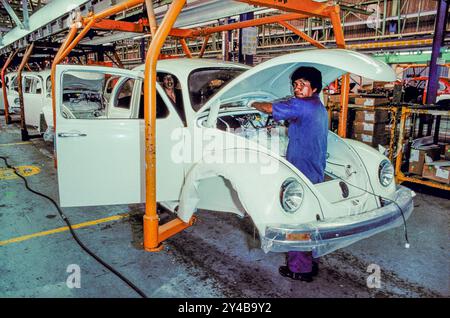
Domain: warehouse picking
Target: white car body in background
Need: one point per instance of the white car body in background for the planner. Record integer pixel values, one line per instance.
(11, 91)
(101, 154)
(36, 95)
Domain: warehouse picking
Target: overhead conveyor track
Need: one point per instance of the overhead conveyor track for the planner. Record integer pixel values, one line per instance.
(56, 17)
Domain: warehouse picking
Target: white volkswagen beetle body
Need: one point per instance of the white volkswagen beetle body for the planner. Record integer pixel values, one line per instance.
(216, 153)
(36, 94)
(11, 90)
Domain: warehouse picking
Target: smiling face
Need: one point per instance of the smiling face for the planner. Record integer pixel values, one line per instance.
(302, 88)
(168, 81)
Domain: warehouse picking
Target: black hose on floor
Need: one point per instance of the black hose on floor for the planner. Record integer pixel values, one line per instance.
(74, 235)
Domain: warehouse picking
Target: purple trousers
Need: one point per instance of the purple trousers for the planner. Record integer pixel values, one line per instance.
(300, 262)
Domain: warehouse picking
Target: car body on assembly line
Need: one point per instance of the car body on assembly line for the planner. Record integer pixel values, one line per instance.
(36, 94)
(216, 153)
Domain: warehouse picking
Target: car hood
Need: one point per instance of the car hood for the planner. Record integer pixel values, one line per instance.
(273, 76)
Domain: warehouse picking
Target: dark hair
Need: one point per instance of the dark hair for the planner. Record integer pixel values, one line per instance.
(310, 74)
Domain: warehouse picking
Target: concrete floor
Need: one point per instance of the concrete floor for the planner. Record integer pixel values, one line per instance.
(218, 257)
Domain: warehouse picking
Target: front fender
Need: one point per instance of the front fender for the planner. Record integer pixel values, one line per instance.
(371, 160)
(256, 184)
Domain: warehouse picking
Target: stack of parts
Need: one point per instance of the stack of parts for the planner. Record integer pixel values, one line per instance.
(431, 162)
(371, 127)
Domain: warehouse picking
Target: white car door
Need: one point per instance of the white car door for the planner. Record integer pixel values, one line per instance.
(32, 98)
(99, 159)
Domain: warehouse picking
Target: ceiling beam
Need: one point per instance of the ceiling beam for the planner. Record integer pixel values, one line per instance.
(12, 14)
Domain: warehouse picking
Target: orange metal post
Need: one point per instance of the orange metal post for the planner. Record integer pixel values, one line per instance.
(5, 97)
(70, 36)
(117, 57)
(345, 89)
(345, 84)
(398, 161)
(185, 47)
(151, 17)
(337, 27)
(24, 61)
(151, 220)
(205, 44)
(302, 34)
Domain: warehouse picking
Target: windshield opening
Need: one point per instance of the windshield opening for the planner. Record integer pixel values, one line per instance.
(204, 83)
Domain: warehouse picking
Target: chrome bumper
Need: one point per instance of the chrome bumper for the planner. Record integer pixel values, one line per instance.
(323, 237)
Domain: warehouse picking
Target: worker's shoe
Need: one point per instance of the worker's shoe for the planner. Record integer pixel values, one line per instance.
(286, 272)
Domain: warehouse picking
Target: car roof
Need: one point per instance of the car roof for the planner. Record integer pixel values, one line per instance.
(187, 65)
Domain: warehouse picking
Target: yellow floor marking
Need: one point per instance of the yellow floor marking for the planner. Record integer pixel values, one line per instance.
(63, 229)
(26, 171)
(16, 143)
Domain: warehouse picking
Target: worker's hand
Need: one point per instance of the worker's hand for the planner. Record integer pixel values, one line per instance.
(261, 106)
(215, 83)
(251, 102)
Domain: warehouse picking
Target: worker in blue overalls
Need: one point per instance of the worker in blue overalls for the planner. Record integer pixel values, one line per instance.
(307, 148)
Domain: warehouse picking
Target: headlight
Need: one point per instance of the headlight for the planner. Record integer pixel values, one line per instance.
(291, 195)
(386, 172)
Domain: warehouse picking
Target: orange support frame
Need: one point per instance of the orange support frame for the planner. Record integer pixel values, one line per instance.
(302, 34)
(24, 61)
(5, 96)
(185, 47)
(154, 234)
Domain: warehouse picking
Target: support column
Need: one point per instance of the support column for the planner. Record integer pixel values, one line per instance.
(5, 93)
(435, 68)
(247, 59)
(23, 125)
(438, 40)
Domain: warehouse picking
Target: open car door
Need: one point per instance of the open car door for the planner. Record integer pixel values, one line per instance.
(99, 158)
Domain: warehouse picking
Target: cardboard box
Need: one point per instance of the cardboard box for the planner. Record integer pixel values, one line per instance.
(418, 157)
(372, 116)
(438, 171)
(372, 140)
(335, 99)
(371, 101)
(369, 128)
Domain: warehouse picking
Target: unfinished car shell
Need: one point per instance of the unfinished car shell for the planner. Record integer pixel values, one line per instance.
(216, 153)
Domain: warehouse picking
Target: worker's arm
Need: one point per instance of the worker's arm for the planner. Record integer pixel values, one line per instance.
(263, 106)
